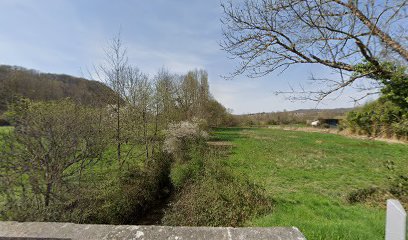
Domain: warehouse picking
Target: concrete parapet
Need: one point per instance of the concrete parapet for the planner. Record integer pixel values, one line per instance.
(53, 230)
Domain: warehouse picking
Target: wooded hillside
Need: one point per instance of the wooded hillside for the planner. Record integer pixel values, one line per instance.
(18, 82)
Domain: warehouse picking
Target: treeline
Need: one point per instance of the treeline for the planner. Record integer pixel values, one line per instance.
(17, 82)
(65, 161)
(105, 162)
(59, 164)
(302, 116)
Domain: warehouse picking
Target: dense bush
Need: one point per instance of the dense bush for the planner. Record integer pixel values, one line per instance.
(388, 116)
(216, 198)
(360, 195)
(210, 195)
(399, 186)
(57, 167)
(184, 172)
(392, 77)
(207, 194)
(185, 142)
(3, 122)
(379, 118)
(181, 137)
(126, 198)
(401, 127)
(50, 145)
(119, 197)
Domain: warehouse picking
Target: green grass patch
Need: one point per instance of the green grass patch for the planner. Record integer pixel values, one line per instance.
(5, 130)
(309, 175)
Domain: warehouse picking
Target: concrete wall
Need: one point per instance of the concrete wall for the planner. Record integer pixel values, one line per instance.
(37, 230)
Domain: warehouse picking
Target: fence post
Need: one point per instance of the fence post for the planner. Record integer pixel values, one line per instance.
(395, 224)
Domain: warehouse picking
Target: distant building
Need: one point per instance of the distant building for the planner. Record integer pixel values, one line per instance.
(315, 123)
(332, 122)
(326, 122)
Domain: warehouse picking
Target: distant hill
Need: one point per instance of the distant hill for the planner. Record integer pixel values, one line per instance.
(290, 117)
(311, 112)
(18, 82)
(331, 110)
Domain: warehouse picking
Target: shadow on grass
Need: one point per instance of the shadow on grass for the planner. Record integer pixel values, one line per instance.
(227, 134)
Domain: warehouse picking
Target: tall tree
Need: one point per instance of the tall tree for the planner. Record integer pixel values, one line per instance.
(352, 37)
(203, 92)
(193, 94)
(143, 94)
(114, 73)
(164, 99)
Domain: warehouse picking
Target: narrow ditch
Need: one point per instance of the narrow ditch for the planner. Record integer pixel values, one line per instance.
(156, 210)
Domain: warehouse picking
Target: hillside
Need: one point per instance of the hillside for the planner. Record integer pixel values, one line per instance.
(18, 82)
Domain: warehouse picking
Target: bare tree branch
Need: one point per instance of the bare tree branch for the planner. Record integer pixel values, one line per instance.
(267, 35)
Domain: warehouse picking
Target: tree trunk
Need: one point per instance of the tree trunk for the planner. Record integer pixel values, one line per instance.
(156, 128)
(118, 131)
(48, 193)
(145, 136)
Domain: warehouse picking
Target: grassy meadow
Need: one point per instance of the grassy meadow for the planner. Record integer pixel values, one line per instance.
(309, 176)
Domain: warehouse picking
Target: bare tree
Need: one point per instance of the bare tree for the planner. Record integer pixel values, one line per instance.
(164, 99)
(114, 73)
(193, 94)
(203, 93)
(141, 93)
(52, 143)
(270, 35)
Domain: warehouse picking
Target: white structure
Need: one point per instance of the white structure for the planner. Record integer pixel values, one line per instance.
(315, 123)
(395, 226)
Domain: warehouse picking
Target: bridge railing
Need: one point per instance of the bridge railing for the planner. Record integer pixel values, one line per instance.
(395, 229)
(65, 231)
(396, 221)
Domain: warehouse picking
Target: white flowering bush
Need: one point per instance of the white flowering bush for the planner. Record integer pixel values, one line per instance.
(181, 136)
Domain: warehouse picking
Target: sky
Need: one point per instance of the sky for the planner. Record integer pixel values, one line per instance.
(69, 36)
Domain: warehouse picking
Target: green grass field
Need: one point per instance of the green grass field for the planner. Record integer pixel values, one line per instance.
(309, 176)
